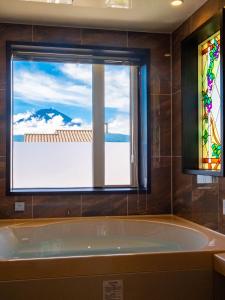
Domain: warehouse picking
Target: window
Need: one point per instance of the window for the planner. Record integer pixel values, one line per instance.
(209, 104)
(78, 119)
(202, 86)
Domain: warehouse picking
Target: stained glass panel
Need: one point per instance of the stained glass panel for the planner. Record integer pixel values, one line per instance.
(209, 104)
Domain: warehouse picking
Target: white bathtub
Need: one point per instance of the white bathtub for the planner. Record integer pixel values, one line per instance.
(142, 257)
(97, 237)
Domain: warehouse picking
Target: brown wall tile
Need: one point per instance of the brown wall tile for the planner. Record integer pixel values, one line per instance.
(221, 198)
(158, 201)
(56, 35)
(205, 205)
(7, 207)
(56, 206)
(161, 125)
(104, 37)
(177, 124)
(3, 67)
(11, 32)
(104, 205)
(137, 204)
(160, 197)
(2, 176)
(15, 32)
(177, 37)
(2, 123)
(159, 45)
(182, 190)
(209, 9)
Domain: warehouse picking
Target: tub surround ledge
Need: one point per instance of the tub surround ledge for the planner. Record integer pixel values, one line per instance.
(219, 263)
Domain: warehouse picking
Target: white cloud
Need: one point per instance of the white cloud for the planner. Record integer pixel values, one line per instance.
(117, 83)
(82, 72)
(20, 116)
(121, 124)
(40, 87)
(117, 88)
(77, 120)
(41, 126)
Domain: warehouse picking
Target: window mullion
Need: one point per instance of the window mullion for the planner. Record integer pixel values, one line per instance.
(134, 124)
(98, 95)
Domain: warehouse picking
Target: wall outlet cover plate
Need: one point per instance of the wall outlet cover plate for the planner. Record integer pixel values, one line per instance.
(19, 206)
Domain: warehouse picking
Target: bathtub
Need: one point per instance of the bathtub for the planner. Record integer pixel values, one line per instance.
(97, 237)
(125, 258)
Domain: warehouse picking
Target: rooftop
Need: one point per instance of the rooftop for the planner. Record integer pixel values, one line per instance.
(60, 136)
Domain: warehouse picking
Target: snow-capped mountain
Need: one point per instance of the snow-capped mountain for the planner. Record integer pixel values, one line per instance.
(49, 120)
(47, 115)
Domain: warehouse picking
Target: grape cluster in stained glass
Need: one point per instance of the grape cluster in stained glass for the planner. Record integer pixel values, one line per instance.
(210, 104)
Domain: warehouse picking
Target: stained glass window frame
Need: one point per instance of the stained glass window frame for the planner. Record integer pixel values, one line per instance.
(191, 93)
(209, 103)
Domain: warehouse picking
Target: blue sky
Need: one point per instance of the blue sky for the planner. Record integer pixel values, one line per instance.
(68, 88)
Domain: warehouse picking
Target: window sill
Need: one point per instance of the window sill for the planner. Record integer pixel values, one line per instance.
(110, 190)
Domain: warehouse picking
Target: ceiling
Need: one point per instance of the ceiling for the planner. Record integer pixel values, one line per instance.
(145, 15)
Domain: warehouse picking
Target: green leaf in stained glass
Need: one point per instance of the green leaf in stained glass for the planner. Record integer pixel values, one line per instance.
(205, 136)
(216, 150)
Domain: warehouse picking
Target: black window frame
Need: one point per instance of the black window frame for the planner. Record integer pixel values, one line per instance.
(99, 54)
(189, 90)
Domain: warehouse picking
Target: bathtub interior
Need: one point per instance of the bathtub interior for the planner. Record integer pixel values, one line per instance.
(97, 237)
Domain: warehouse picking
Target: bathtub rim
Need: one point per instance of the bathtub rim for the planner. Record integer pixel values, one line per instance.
(181, 229)
(168, 219)
(64, 267)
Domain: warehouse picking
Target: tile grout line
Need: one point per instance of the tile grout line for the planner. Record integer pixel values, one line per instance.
(177, 92)
(165, 156)
(218, 209)
(81, 205)
(171, 104)
(32, 33)
(81, 36)
(146, 202)
(159, 94)
(32, 204)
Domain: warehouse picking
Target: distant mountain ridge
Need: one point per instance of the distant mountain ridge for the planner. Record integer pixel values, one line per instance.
(116, 138)
(109, 138)
(49, 114)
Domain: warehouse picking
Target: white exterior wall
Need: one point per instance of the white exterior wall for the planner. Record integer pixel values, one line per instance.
(66, 165)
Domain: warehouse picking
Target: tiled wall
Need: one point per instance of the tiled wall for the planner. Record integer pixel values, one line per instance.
(159, 201)
(200, 203)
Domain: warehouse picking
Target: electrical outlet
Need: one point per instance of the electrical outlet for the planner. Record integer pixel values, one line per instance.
(202, 179)
(19, 206)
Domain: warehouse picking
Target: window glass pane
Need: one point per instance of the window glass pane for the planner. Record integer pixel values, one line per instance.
(51, 125)
(209, 104)
(117, 125)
